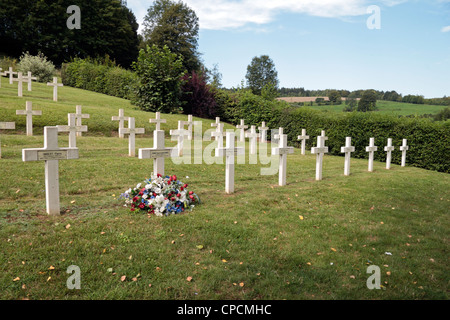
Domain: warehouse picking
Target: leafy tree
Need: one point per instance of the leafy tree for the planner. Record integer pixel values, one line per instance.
(175, 25)
(269, 92)
(107, 27)
(368, 101)
(198, 96)
(261, 72)
(159, 86)
(335, 97)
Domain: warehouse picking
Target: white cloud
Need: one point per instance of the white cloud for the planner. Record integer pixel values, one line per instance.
(446, 29)
(229, 14)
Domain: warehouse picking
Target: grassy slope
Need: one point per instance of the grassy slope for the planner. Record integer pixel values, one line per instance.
(391, 107)
(254, 243)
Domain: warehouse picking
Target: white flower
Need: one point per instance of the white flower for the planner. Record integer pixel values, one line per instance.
(138, 185)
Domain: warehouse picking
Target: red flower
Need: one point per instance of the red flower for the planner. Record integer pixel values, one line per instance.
(181, 188)
(178, 195)
(158, 175)
(132, 209)
(191, 192)
(174, 177)
(142, 206)
(135, 199)
(173, 199)
(192, 197)
(185, 185)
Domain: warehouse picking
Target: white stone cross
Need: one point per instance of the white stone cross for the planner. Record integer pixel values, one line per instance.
(253, 139)
(51, 154)
(303, 137)
(230, 151)
(277, 136)
(11, 75)
(55, 86)
(325, 138)
(218, 135)
(6, 126)
(180, 133)
(121, 118)
(389, 148)
(72, 128)
(158, 153)
(29, 79)
(263, 132)
(348, 149)
(158, 121)
(132, 131)
(20, 80)
(242, 127)
(282, 150)
(371, 150)
(79, 116)
(320, 150)
(403, 148)
(215, 124)
(29, 113)
(189, 123)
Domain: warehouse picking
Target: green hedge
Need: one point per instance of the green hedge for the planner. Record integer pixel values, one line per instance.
(102, 77)
(428, 141)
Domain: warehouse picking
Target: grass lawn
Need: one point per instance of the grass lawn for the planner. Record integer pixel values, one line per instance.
(390, 107)
(307, 240)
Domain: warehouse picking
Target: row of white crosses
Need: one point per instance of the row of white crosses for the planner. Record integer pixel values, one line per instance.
(28, 79)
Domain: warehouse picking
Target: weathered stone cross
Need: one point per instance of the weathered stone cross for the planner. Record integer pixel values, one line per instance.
(158, 121)
(72, 128)
(348, 149)
(253, 139)
(371, 150)
(403, 149)
(121, 118)
(263, 132)
(29, 113)
(320, 150)
(6, 126)
(389, 148)
(282, 150)
(242, 127)
(230, 151)
(79, 116)
(11, 74)
(55, 86)
(29, 79)
(180, 133)
(51, 154)
(132, 131)
(20, 80)
(303, 137)
(158, 153)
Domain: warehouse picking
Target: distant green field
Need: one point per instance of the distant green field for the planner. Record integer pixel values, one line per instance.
(391, 107)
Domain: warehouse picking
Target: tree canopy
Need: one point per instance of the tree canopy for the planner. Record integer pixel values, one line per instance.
(261, 72)
(175, 25)
(107, 28)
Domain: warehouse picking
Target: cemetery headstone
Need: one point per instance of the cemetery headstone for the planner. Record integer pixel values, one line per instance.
(20, 80)
(230, 151)
(242, 128)
(132, 131)
(51, 154)
(29, 113)
(389, 148)
(348, 149)
(11, 74)
(189, 123)
(30, 79)
(121, 118)
(218, 135)
(282, 150)
(303, 138)
(158, 121)
(6, 126)
(371, 150)
(319, 151)
(263, 132)
(72, 128)
(79, 116)
(403, 148)
(55, 86)
(180, 133)
(253, 139)
(158, 153)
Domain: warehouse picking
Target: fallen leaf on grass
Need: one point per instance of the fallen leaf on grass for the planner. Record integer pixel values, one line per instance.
(189, 279)
(200, 247)
(16, 279)
(123, 278)
(301, 217)
(51, 268)
(333, 249)
(241, 284)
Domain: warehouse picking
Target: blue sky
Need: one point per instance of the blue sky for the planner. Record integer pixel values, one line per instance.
(324, 44)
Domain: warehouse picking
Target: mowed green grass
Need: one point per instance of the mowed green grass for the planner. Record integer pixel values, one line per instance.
(307, 240)
(390, 107)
